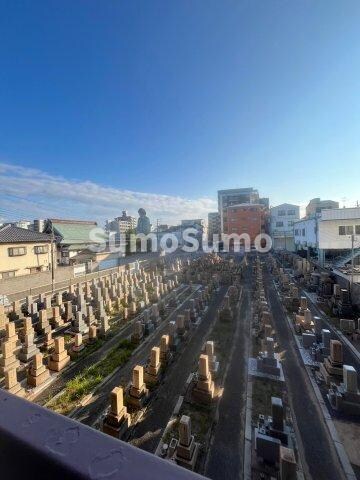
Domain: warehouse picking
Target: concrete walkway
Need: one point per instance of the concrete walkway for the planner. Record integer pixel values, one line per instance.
(320, 454)
(225, 457)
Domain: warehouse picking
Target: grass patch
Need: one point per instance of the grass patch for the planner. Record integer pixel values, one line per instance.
(84, 383)
(263, 390)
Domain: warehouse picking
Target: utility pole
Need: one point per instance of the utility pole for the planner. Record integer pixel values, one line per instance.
(157, 235)
(52, 260)
(352, 258)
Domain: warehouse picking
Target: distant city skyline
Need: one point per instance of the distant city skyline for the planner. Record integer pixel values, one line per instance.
(28, 193)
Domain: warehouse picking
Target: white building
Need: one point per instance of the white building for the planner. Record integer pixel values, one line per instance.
(121, 225)
(331, 235)
(282, 219)
(198, 223)
(305, 234)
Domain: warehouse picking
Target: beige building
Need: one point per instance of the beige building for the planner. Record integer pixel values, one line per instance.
(23, 251)
(315, 206)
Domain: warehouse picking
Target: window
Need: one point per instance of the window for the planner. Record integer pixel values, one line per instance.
(281, 213)
(8, 274)
(357, 229)
(279, 224)
(41, 249)
(290, 223)
(346, 230)
(296, 231)
(291, 212)
(16, 252)
(303, 232)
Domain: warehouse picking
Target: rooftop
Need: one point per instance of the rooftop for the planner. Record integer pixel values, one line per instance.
(70, 232)
(340, 214)
(10, 234)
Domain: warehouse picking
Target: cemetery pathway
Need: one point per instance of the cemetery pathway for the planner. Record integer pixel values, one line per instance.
(225, 458)
(320, 454)
(151, 428)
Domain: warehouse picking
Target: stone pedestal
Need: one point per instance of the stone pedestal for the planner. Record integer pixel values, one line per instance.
(56, 317)
(180, 324)
(90, 317)
(92, 334)
(78, 345)
(29, 349)
(138, 394)
(68, 311)
(187, 449)
(138, 334)
(11, 336)
(44, 325)
(164, 349)
(11, 383)
(152, 372)
(8, 361)
(104, 325)
(37, 373)
(333, 364)
(117, 421)
(49, 341)
(203, 392)
(60, 358)
(79, 325)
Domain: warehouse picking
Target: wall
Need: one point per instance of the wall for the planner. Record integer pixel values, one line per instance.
(23, 263)
(284, 243)
(245, 220)
(310, 238)
(287, 219)
(329, 238)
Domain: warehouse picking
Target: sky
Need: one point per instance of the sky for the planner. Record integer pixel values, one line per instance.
(119, 104)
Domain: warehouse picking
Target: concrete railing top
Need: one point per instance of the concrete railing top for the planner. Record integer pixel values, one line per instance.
(38, 443)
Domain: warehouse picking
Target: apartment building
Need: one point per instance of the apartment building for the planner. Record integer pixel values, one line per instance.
(282, 219)
(213, 225)
(315, 206)
(121, 225)
(247, 218)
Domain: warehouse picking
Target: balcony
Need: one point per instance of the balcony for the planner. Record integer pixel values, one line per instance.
(37, 443)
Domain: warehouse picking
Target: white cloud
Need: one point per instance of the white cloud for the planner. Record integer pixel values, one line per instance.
(30, 193)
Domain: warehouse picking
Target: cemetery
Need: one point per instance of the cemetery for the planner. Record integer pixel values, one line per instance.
(328, 344)
(105, 351)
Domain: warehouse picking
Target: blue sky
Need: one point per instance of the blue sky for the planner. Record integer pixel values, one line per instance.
(164, 102)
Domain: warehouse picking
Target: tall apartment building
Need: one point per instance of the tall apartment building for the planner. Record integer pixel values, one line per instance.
(121, 225)
(282, 219)
(249, 218)
(39, 225)
(315, 206)
(213, 224)
(235, 196)
(241, 210)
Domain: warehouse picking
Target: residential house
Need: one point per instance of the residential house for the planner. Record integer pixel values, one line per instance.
(23, 251)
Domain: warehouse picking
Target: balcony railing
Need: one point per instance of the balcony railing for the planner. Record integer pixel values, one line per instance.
(38, 443)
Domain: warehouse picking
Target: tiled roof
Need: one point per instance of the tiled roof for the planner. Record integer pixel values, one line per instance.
(10, 234)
